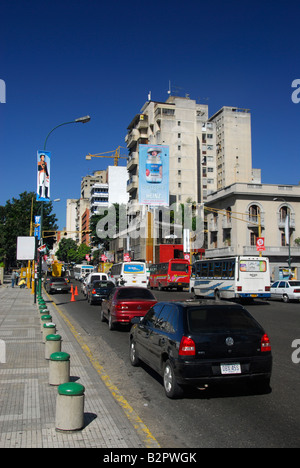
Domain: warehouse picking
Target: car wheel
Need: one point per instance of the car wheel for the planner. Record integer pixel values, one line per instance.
(111, 325)
(134, 360)
(285, 298)
(217, 295)
(172, 389)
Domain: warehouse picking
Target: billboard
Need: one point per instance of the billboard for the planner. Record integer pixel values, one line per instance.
(154, 175)
(43, 175)
(25, 248)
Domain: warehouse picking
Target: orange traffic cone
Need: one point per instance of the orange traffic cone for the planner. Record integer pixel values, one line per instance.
(71, 288)
(72, 298)
(76, 291)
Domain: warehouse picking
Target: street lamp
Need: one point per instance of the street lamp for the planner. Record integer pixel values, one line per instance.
(84, 119)
(287, 237)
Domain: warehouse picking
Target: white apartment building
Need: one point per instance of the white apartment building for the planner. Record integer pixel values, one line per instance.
(206, 154)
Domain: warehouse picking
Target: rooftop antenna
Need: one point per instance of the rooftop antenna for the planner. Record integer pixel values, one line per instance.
(169, 90)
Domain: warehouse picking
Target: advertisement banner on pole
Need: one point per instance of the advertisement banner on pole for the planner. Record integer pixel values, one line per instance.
(37, 227)
(43, 175)
(154, 175)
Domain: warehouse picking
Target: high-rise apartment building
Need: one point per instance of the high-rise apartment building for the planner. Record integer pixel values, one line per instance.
(233, 146)
(206, 154)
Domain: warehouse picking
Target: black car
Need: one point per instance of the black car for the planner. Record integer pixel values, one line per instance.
(99, 290)
(201, 342)
(57, 284)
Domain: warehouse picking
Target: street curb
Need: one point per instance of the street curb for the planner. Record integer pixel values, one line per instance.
(142, 430)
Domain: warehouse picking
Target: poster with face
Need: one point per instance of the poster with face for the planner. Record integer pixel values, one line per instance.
(154, 175)
(43, 175)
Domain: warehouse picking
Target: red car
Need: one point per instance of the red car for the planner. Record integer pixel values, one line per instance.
(124, 303)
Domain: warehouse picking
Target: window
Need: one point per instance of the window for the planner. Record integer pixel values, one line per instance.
(152, 315)
(254, 212)
(168, 319)
(212, 318)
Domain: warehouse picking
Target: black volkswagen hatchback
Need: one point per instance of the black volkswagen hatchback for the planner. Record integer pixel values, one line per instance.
(201, 342)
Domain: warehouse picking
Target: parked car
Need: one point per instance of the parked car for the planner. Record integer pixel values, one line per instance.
(57, 284)
(201, 342)
(99, 290)
(286, 290)
(124, 303)
(86, 284)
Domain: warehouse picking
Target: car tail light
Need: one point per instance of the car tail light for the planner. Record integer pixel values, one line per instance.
(187, 347)
(296, 290)
(265, 343)
(267, 288)
(239, 288)
(94, 291)
(121, 307)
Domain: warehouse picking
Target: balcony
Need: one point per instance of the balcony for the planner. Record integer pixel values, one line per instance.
(132, 161)
(253, 220)
(132, 137)
(132, 183)
(281, 221)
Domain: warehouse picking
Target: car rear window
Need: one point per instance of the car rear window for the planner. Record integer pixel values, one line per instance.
(180, 267)
(294, 283)
(56, 279)
(210, 318)
(135, 294)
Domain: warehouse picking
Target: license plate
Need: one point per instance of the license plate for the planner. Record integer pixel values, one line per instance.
(230, 369)
(179, 284)
(134, 281)
(58, 289)
(253, 295)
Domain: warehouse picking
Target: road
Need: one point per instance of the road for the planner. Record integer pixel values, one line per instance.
(213, 418)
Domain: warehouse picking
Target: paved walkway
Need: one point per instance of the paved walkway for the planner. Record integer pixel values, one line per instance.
(28, 402)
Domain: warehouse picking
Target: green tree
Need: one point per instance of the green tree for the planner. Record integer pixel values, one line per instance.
(67, 250)
(15, 218)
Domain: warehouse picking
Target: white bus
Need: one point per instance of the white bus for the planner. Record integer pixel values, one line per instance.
(80, 271)
(234, 277)
(129, 274)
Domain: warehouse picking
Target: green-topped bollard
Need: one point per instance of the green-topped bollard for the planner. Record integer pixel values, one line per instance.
(59, 368)
(45, 319)
(53, 345)
(49, 328)
(70, 407)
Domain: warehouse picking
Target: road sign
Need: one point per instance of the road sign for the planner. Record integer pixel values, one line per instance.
(260, 244)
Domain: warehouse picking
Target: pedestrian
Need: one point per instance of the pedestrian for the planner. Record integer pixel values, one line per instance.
(22, 283)
(13, 278)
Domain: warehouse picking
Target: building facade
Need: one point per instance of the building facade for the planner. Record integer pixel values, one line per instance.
(240, 213)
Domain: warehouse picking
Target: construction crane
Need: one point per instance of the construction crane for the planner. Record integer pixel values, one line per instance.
(109, 154)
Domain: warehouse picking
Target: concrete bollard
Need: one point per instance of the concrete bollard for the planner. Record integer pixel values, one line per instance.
(48, 329)
(45, 319)
(70, 407)
(59, 368)
(53, 345)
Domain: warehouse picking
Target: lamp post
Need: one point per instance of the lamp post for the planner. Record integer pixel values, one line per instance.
(84, 119)
(287, 237)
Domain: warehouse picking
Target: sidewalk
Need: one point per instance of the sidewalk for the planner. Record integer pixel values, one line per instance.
(28, 402)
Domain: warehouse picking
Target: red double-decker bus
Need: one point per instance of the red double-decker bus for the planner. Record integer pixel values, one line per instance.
(172, 274)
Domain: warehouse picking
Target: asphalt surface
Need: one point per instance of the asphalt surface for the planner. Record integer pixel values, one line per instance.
(222, 417)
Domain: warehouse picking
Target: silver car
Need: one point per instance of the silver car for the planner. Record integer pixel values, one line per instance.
(286, 290)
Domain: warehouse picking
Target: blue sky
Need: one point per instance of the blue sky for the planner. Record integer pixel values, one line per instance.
(65, 59)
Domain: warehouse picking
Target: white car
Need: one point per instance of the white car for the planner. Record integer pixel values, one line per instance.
(286, 290)
(89, 280)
